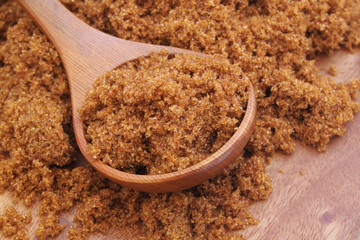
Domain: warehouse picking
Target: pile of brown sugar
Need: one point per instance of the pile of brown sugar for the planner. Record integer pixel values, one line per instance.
(275, 44)
(163, 113)
(13, 224)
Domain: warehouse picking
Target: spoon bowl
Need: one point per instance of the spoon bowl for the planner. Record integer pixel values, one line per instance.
(86, 54)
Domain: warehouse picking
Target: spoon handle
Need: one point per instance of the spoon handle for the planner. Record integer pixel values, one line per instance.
(80, 46)
(86, 52)
(62, 27)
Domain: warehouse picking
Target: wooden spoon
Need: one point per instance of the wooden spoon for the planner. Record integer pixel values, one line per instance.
(86, 54)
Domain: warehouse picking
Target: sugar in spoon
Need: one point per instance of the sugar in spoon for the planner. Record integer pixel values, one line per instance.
(86, 54)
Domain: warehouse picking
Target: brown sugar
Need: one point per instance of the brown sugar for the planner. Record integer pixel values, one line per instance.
(274, 43)
(13, 224)
(159, 115)
(332, 70)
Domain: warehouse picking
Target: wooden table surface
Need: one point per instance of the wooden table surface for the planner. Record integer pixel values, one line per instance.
(323, 203)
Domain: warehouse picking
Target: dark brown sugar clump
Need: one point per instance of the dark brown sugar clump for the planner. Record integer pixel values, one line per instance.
(158, 115)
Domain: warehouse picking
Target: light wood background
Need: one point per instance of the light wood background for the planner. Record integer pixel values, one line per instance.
(324, 203)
